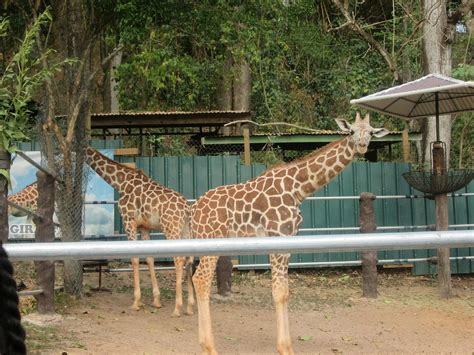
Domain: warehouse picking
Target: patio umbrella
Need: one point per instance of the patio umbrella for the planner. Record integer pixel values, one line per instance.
(431, 95)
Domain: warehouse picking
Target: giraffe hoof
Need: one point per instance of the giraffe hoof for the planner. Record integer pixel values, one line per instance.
(157, 304)
(176, 314)
(189, 312)
(135, 307)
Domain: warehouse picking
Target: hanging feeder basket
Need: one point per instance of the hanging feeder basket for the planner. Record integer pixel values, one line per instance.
(434, 182)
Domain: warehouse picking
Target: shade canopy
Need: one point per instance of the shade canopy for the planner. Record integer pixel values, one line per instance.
(417, 98)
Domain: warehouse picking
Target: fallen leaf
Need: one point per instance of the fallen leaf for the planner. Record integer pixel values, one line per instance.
(346, 338)
(230, 338)
(179, 329)
(305, 337)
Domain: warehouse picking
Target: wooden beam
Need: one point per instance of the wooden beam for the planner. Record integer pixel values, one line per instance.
(130, 165)
(126, 151)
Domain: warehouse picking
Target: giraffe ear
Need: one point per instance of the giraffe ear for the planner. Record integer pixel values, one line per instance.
(367, 118)
(358, 119)
(380, 132)
(344, 125)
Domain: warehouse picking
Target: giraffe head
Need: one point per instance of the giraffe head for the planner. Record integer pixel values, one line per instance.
(361, 132)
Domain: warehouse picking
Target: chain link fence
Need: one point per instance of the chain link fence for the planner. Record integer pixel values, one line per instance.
(66, 160)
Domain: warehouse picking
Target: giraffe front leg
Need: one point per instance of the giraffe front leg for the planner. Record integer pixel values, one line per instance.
(136, 284)
(202, 284)
(179, 265)
(280, 292)
(131, 229)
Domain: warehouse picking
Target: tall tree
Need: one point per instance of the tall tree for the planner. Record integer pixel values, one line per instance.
(437, 58)
(76, 32)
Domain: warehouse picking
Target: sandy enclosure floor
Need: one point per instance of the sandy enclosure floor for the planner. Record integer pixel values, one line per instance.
(327, 316)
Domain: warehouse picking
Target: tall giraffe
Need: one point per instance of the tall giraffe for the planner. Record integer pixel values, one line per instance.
(268, 205)
(27, 198)
(144, 205)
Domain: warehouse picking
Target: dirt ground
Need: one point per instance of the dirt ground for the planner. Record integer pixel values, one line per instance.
(327, 316)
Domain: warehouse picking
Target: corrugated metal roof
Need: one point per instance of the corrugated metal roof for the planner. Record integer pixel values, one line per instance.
(169, 113)
(165, 119)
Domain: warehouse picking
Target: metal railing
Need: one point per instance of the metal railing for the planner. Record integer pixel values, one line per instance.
(240, 246)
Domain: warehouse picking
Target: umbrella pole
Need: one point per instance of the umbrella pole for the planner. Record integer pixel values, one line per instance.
(441, 207)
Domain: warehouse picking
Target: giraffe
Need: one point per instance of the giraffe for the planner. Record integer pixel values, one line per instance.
(268, 205)
(144, 205)
(27, 198)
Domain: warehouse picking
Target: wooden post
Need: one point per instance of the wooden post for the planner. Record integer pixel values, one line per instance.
(246, 135)
(4, 164)
(45, 233)
(441, 207)
(224, 275)
(369, 258)
(405, 145)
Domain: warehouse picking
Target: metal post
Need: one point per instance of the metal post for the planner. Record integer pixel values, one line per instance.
(441, 207)
(45, 272)
(369, 258)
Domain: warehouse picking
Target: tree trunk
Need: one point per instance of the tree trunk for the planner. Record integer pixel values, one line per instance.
(45, 233)
(437, 37)
(225, 91)
(4, 164)
(242, 86)
(235, 93)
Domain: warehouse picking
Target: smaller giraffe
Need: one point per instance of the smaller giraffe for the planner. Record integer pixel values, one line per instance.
(145, 205)
(27, 198)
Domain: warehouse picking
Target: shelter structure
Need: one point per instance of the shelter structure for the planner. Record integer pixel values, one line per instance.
(216, 132)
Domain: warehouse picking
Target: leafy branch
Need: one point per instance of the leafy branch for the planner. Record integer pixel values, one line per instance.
(23, 75)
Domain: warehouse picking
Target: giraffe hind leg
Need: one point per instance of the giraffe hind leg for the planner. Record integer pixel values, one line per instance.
(151, 267)
(189, 281)
(280, 292)
(202, 280)
(179, 265)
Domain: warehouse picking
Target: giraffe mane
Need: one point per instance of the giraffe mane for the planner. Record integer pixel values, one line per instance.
(311, 155)
(135, 170)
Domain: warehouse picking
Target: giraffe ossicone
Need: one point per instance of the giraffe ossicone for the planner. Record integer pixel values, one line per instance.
(268, 205)
(145, 205)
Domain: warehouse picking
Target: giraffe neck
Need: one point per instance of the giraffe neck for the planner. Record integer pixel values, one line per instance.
(115, 174)
(317, 169)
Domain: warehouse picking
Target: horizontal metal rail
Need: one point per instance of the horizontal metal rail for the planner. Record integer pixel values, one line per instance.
(36, 292)
(291, 265)
(313, 264)
(38, 166)
(25, 210)
(381, 197)
(240, 246)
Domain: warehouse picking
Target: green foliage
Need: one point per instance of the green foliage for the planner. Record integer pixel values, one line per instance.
(464, 71)
(22, 76)
(301, 72)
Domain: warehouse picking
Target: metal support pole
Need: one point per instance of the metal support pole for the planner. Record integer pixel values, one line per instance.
(441, 207)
